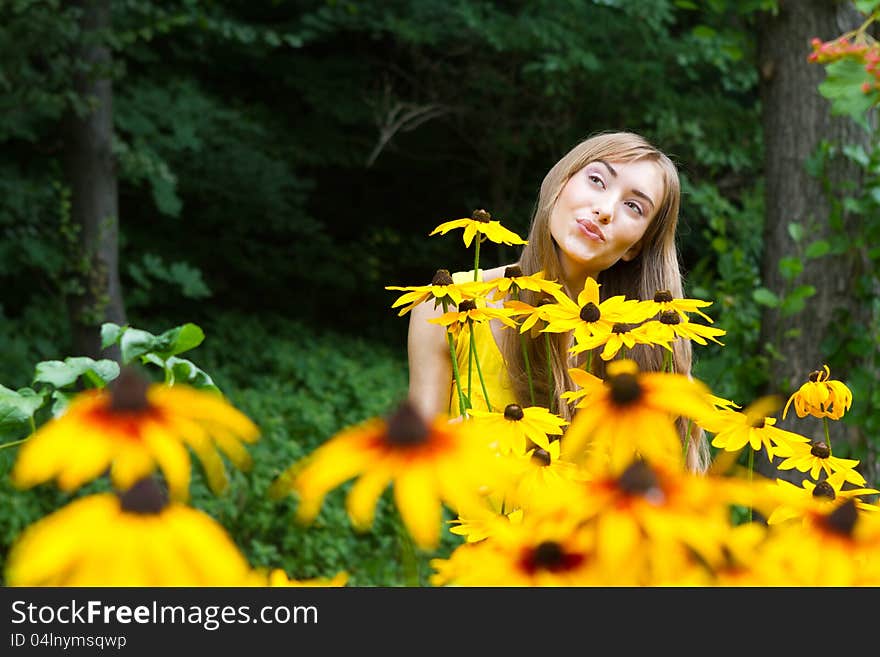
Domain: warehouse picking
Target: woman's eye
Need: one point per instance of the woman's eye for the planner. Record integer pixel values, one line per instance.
(635, 207)
(596, 179)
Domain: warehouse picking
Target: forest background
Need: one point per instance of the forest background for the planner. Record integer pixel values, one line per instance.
(264, 169)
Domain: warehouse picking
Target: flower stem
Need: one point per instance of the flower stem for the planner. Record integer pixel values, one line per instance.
(667, 362)
(13, 443)
(525, 353)
(462, 408)
(827, 435)
(477, 256)
(408, 559)
(550, 397)
(477, 363)
(751, 470)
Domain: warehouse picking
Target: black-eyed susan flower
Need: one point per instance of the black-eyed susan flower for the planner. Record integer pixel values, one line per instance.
(588, 316)
(622, 335)
(663, 301)
(483, 522)
(815, 457)
(651, 520)
(796, 501)
(469, 311)
(442, 288)
(541, 479)
(836, 545)
(515, 428)
(630, 413)
(820, 397)
(428, 463)
(753, 427)
(480, 223)
(540, 550)
(514, 281)
(136, 538)
(132, 427)
(670, 326)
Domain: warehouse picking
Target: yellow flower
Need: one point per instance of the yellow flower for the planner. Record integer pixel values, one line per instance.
(428, 464)
(133, 427)
(442, 288)
(820, 397)
(480, 223)
(631, 413)
(482, 522)
(515, 428)
(538, 551)
(816, 457)
(132, 539)
(753, 427)
(277, 577)
(542, 479)
(589, 316)
(796, 501)
(469, 311)
(513, 280)
(670, 326)
(663, 301)
(622, 335)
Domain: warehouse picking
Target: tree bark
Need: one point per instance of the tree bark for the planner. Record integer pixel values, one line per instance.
(796, 119)
(91, 173)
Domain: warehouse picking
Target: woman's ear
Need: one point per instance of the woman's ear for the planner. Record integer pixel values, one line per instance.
(632, 252)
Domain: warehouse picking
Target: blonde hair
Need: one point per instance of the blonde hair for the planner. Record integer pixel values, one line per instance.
(655, 268)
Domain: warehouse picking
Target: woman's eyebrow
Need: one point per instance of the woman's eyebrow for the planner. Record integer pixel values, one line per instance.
(637, 192)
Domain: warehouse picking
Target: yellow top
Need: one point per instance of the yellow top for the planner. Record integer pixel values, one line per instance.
(491, 364)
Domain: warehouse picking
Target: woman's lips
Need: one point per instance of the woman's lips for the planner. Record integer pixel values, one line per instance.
(591, 230)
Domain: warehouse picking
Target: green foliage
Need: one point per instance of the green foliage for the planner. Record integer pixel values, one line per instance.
(843, 87)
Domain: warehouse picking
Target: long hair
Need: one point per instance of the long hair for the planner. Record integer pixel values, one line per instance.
(655, 268)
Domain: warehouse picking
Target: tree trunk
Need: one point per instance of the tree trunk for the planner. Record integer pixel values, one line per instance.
(91, 172)
(796, 119)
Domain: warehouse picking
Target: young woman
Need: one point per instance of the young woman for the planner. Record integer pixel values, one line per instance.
(607, 210)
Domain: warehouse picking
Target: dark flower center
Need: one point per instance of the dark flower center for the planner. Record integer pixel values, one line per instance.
(824, 489)
(814, 376)
(663, 296)
(843, 519)
(541, 456)
(128, 392)
(481, 216)
(670, 317)
(406, 428)
(513, 271)
(759, 423)
(820, 450)
(625, 388)
(442, 277)
(621, 327)
(467, 304)
(638, 479)
(145, 497)
(513, 412)
(590, 312)
(549, 555)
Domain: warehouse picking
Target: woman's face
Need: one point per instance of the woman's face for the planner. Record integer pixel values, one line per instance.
(602, 213)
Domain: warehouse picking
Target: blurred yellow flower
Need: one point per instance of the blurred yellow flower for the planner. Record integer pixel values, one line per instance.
(133, 427)
(428, 463)
(820, 397)
(135, 538)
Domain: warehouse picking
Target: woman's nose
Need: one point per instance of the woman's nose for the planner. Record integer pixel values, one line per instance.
(603, 214)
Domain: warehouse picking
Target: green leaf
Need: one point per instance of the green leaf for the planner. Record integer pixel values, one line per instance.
(62, 374)
(843, 87)
(791, 267)
(177, 340)
(867, 6)
(136, 342)
(185, 371)
(818, 248)
(704, 32)
(796, 301)
(765, 297)
(795, 230)
(17, 408)
(110, 334)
